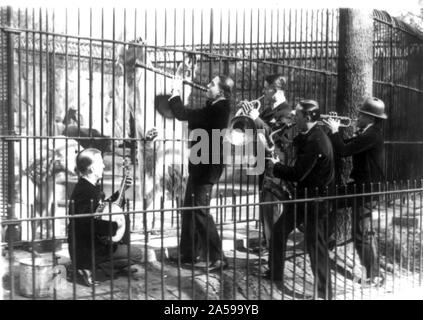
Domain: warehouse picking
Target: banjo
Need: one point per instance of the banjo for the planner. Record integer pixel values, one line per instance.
(115, 206)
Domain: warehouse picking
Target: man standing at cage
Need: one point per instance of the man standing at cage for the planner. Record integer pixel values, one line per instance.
(314, 172)
(89, 237)
(198, 232)
(275, 114)
(366, 149)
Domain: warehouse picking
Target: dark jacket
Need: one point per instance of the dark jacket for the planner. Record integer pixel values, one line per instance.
(314, 165)
(367, 154)
(268, 117)
(85, 198)
(210, 117)
(267, 121)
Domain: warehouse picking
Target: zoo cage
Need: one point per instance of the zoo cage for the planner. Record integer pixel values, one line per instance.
(70, 81)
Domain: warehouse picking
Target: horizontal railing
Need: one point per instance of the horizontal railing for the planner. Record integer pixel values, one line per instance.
(43, 268)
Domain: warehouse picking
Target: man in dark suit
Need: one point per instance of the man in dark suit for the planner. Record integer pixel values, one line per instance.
(366, 149)
(314, 172)
(88, 248)
(199, 232)
(275, 113)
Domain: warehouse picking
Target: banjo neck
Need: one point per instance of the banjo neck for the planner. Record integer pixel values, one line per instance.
(122, 188)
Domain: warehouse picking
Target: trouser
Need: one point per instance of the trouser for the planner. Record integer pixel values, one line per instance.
(269, 213)
(364, 239)
(315, 223)
(198, 232)
(362, 228)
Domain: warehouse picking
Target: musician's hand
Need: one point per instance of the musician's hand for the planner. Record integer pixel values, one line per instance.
(254, 114)
(246, 106)
(332, 124)
(272, 160)
(128, 183)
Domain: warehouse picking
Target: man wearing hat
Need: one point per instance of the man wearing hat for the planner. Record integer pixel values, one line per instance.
(313, 171)
(276, 113)
(366, 149)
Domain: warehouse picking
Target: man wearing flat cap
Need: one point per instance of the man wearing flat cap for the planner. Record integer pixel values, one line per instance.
(313, 171)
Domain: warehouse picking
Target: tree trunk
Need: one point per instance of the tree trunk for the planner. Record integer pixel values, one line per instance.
(355, 83)
(355, 69)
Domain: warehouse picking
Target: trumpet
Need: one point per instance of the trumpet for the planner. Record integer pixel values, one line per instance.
(241, 122)
(345, 121)
(256, 104)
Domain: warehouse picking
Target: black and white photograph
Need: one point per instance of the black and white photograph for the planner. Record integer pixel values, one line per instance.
(228, 152)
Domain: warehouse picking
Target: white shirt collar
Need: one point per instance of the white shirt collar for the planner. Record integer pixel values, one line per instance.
(281, 100)
(217, 100)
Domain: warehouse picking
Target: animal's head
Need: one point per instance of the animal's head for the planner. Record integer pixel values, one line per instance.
(188, 68)
(65, 156)
(55, 158)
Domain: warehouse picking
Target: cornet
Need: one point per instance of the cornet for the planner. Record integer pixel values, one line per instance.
(256, 104)
(241, 122)
(345, 121)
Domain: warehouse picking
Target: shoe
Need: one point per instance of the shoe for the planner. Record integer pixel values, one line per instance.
(218, 265)
(372, 282)
(87, 278)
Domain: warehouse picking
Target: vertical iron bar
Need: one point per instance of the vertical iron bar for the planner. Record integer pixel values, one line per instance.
(393, 237)
(92, 245)
(211, 41)
(400, 233)
(162, 246)
(420, 232)
(221, 237)
(178, 225)
(386, 231)
(127, 217)
(354, 220)
(144, 213)
(305, 238)
(235, 230)
(74, 262)
(335, 235)
(113, 99)
(27, 128)
(41, 131)
(362, 209)
(414, 231)
(408, 229)
(11, 153)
